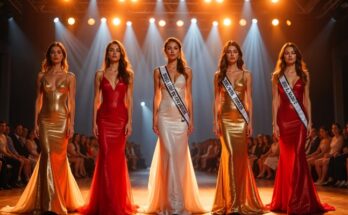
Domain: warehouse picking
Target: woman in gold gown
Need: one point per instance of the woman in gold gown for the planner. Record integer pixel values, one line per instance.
(236, 190)
(52, 186)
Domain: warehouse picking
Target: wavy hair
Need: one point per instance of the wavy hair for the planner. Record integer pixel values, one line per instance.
(223, 64)
(124, 67)
(47, 62)
(300, 66)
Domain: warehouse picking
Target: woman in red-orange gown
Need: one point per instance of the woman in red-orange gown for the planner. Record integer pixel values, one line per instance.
(112, 118)
(294, 191)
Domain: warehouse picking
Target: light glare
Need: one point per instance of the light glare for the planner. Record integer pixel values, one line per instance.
(275, 22)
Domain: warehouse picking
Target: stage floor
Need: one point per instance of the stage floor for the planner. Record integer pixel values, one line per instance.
(333, 196)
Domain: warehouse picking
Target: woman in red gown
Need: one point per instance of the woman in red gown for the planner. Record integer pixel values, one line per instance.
(112, 118)
(294, 191)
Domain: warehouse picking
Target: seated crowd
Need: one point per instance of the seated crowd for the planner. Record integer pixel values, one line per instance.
(20, 150)
(326, 151)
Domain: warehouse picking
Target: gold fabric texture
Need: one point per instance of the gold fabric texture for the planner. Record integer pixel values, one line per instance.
(52, 186)
(236, 191)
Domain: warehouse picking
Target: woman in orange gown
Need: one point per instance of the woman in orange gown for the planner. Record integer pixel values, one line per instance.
(112, 123)
(294, 191)
(236, 191)
(52, 186)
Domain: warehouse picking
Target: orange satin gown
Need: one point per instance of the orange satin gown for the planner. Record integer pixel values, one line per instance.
(236, 191)
(52, 186)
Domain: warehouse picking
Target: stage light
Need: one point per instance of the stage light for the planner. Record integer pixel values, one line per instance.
(55, 20)
(142, 104)
(129, 23)
(274, 1)
(227, 21)
(91, 21)
(71, 21)
(288, 22)
(179, 23)
(134, 0)
(207, 1)
(275, 22)
(121, 1)
(215, 23)
(152, 20)
(162, 23)
(103, 20)
(116, 21)
(254, 21)
(219, 1)
(193, 20)
(242, 22)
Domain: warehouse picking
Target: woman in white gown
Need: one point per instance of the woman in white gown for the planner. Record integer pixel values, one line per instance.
(172, 183)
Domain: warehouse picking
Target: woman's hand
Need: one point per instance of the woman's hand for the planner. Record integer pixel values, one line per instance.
(216, 128)
(70, 131)
(250, 130)
(190, 127)
(36, 130)
(155, 126)
(276, 130)
(95, 130)
(128, 130)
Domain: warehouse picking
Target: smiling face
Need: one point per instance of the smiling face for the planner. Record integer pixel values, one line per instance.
(172, 50)
(114, 53)
(232, 54)
(289, 55)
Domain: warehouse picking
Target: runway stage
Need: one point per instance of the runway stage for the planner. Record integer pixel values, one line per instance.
(333, 196)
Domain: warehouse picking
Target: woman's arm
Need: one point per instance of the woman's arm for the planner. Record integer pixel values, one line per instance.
(307, 106)
(217, 106)
(275, 106)
(249, 102)
(129, 103)
(97, 100)
(156, 99)
(71, 105)
(38, 102)
(188, 98)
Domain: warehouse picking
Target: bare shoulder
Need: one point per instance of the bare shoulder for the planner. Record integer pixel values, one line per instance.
(40, 75)
(188, 70)
(71, 75)
(131, 75)
(247, 73)
(99, 74)
(216, 74)
(156, 71)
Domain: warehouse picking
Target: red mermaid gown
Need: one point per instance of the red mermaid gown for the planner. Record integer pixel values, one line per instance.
(111, 190)
(294, 191)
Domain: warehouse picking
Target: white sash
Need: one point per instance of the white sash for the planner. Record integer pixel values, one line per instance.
(174, 94)
(229, 88)
(292, 98)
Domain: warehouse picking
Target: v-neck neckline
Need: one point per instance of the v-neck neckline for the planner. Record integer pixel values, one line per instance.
(113, 88)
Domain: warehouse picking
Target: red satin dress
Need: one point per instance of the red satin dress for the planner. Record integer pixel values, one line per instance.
(294, 191)
(111, 190)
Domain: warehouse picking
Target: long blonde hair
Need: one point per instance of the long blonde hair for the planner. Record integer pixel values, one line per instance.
(47, 62)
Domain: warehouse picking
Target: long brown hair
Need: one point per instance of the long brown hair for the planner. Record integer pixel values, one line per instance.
(124, 67)
(181, 61)
(47, 62)
(300, 66)
(223, 64)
